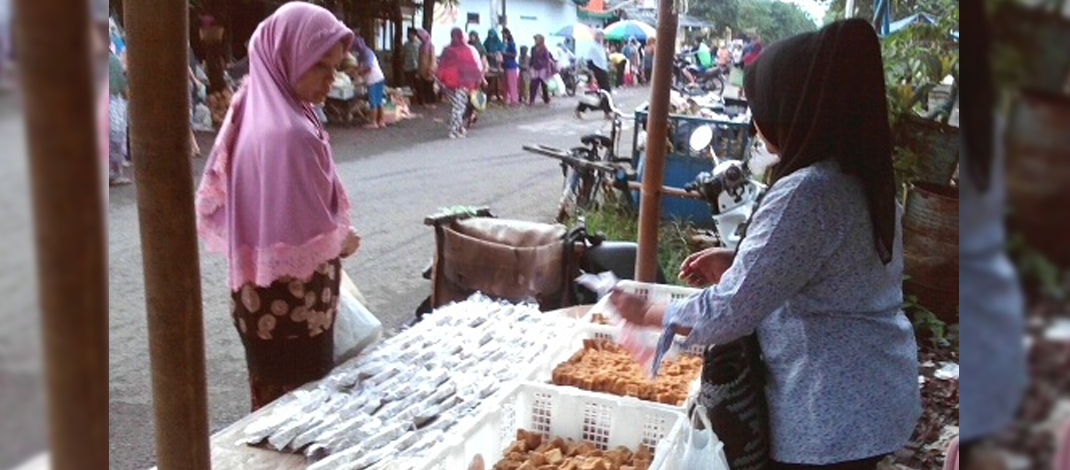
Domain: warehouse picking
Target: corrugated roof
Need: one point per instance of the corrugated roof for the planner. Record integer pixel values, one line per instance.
(650, 16)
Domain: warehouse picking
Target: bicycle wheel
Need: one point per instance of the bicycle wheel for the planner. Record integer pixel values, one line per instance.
(572, 192)
(717, 85)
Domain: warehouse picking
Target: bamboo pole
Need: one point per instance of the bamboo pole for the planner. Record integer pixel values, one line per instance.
(160, 129)
(66, 183)
(646, 265)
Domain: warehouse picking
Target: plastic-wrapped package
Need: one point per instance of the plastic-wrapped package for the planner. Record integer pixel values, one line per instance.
(426, 440)
(313, 433)
(329, 439)
(391, 409)
(390, 372)
(299, 403)
(282, 437)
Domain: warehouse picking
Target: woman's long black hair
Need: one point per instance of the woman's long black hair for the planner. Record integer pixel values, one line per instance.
(821, 96)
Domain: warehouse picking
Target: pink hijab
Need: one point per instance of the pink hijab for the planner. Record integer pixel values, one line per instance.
(270, 199)
(1062, 458)
(459, 67)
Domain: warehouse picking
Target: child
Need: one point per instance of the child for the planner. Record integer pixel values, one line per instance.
(525, 74)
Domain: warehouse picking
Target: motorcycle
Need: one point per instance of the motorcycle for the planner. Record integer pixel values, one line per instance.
(568, 77)
(706, 81)
(732, 189)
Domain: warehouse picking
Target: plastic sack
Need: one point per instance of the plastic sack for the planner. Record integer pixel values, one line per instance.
(703, 450)
(555, 85)
(202, 118)
(355, 328)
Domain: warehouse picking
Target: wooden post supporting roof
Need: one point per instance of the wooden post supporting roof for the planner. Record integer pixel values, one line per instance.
(646, 268)
(159, 133)
(66, 183)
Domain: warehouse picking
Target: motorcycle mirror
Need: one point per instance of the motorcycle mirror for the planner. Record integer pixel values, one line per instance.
(701, 138)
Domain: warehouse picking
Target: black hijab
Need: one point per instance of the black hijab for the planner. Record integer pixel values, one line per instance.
(978, 91)
(821, 96)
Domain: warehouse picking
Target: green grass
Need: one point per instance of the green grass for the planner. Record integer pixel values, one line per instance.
(622, 225)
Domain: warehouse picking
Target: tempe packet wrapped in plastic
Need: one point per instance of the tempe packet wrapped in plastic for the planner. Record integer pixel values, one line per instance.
(638, 341)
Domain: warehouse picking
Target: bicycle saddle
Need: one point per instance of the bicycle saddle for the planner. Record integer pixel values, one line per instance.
(599, 139)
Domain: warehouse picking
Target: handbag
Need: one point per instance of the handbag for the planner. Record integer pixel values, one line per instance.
(733, 396)
(478, 99)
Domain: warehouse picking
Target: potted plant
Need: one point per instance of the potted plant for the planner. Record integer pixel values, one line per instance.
(918, 60)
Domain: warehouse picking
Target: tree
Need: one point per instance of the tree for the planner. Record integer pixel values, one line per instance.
(865, 8)
(773, 20)
(721, 13)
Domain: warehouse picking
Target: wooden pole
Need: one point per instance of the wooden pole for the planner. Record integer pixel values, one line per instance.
(66, 181)
(159, 133)
(646, 265)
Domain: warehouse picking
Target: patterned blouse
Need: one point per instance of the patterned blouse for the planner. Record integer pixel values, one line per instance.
(842, 370)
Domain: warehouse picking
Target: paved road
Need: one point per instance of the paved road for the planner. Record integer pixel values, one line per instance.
(395, 177)
(22, 431)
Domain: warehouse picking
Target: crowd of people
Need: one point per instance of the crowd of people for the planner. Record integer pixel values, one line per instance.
(467, 74)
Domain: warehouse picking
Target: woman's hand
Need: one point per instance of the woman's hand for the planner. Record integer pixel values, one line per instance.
(637, 310)
(352, 243)
(706, 267)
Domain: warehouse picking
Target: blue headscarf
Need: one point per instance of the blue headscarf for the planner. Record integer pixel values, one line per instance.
(493, 44)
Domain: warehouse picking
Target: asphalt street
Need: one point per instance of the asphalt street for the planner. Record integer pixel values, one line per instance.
(394, 177)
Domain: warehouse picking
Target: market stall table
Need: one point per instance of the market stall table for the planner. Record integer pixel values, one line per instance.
(433, 382)
(344, 104)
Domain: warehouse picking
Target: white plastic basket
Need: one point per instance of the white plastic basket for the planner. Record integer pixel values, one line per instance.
(655, 292)
(611, 333)
(605, 421)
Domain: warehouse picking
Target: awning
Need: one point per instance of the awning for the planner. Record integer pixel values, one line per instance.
(650, 17)
(584, 14)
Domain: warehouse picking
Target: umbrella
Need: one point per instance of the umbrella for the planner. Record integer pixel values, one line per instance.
(622, 30)
(577, 31)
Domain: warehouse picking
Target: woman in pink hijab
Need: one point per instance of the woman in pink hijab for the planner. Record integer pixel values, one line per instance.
(270, 200)
(460, 71)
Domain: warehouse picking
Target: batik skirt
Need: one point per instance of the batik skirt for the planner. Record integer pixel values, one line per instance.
(287, 329)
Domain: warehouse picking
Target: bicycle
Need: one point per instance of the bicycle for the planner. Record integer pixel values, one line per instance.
(586, 169)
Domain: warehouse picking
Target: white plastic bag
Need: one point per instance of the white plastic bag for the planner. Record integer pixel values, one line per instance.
(703, 450)
(355, 328)
(202, 118)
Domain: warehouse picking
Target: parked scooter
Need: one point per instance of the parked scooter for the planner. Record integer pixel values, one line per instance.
(731, 189)
(568, 77)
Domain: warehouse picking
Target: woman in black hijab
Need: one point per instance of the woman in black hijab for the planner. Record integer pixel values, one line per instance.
(818, 278)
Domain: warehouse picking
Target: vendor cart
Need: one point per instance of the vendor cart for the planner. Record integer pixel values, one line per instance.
(346, 102)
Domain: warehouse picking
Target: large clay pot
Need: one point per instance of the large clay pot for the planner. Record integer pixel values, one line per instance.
(1038, 172)
(931, 248)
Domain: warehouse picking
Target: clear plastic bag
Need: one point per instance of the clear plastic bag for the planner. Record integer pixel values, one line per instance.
(641, 343)
(355, 327)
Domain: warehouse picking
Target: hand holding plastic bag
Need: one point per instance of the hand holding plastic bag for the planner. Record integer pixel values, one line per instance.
(640, 342)
(703, 450)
